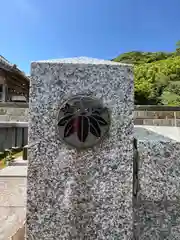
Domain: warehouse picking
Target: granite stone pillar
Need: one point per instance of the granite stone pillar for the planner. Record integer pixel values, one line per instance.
(157, 206)
(81, 194)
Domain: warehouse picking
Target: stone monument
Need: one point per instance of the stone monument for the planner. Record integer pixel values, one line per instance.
(80, 150)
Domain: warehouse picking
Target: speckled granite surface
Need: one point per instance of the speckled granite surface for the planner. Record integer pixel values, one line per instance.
(85, 195)
(157, 207)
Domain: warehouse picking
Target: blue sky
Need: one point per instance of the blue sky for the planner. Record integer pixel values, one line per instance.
(46, 29)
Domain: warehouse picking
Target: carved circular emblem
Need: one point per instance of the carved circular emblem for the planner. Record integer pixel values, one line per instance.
(83, 121)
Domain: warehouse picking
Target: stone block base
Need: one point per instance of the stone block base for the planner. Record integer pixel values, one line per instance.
(157, 205)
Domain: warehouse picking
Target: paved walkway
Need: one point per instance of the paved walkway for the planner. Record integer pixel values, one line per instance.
(19, 162)
(12, 200)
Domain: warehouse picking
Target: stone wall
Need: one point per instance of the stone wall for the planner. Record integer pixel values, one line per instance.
(14, 112)
(158, 122)
(157, 118)
(144, 115)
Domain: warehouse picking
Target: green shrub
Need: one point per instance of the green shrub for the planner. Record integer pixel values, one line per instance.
(156, 75)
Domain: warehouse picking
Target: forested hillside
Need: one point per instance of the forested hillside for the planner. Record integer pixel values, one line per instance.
(157, 76)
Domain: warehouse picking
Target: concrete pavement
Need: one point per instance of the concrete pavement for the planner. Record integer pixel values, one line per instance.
(12, 200)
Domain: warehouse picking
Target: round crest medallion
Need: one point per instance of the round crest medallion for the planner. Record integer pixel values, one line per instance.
(83, 121)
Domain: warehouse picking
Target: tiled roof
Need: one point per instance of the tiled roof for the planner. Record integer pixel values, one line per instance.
(6, 65)
(4, 62)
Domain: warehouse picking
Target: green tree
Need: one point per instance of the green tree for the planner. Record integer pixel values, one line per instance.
(174, 87)
(178, 47)
(161, 82)
(171, 99)
(156, 76)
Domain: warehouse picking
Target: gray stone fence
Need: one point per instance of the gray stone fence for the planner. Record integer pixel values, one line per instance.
(157, 115)
(143, 115)
(14, 121)
(14, 112)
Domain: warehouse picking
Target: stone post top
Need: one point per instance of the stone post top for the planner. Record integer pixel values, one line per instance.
(157, 133)
(81, 60)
